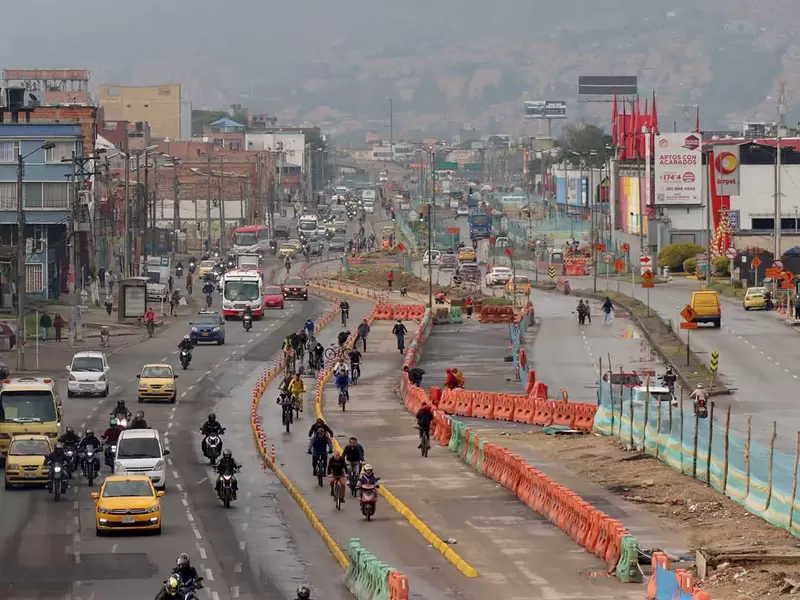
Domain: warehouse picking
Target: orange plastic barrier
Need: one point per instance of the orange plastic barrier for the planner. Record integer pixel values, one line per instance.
(398, 586)
(448, 401)
(464, 401)
(435, 395)
(531, 381)
(401, 311)
(384, 312)
(483, 405)
(563, 414)
(524, 410)
(416, 312)
(544, 413)
(584, 416)
(539, 391)
(504, 407)
(496, 314)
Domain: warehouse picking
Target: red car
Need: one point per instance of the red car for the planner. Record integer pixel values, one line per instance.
(273, 297)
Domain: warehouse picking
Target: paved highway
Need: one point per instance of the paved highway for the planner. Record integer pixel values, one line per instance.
(262, 548)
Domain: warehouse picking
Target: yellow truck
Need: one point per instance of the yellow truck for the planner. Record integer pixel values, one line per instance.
(28, 406)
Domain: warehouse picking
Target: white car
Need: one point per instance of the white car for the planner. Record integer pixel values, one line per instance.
(462, 211)
(435, 255)
(658, 391)
(322, 230)
(498, 276)
(88, 374)
(140, 452)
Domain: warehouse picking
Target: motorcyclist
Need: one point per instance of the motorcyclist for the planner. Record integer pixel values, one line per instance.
(298, 388)
(414, 375)
(89, 439)
(171, 589)
(670, 378)
(227, 464)
(355, 362)
(304, 592)
(699, 396)
(111, 435)
(208, 288)
(210, 427)
(138, 421)
(368, 477)
(120, 410)
(247, 312)
(319, 444)
(186, 344)
(337, 471)
(287, 264)
(58, 455)
(424, 419)
(70, 438)
(184, 570)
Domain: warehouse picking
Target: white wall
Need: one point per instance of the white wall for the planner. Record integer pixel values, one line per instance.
(293, 143)
(757, 192)
(686, 217)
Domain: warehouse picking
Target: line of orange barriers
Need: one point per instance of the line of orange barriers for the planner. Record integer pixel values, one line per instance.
(666, 583)
(403, 312)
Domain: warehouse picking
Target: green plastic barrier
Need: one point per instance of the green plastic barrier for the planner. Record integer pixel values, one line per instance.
(628, 569)
(457, 436)
(456, 317)
(367, 577)
(470, 442)
(479, 464)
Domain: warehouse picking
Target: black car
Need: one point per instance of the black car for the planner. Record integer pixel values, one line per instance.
(282, 232)
(316, 247)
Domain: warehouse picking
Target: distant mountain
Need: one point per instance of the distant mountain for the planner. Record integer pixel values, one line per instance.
(447, 64)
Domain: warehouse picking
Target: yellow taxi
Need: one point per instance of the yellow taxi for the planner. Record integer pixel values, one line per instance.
(25, 460)
(157, 382)
(295, 243)
(287, 249)
(755, 297)
(519, 284)
(467, 255)
(206, 267)
(127, 503)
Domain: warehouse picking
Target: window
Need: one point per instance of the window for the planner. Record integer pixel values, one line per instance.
(55, 195)
(9, 151)
(8, 196)
(34, 278)
(61, 150)
(32, 195)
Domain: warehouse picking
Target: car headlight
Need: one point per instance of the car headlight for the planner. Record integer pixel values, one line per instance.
(227, 305)
(72, 377)
(194, 329)
(143, 387)
(101, 378)
(12, 467)
(119, 467)
(103, 511)
(159, 465)
(153, 509)
(215, 330)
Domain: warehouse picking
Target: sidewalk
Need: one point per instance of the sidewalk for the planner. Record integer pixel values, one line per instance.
(516, 552)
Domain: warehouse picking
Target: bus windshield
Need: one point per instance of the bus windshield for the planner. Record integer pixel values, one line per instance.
(308, 225)
(242, 291)
(480, 220)
(244, 238)
(27, 406)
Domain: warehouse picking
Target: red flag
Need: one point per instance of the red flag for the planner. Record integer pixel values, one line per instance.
(622, 131)
(654, 120)
(637, 128)
(614, 116)
(697, 121)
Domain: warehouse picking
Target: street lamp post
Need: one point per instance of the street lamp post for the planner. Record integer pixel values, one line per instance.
(430, 230)
(20, 280)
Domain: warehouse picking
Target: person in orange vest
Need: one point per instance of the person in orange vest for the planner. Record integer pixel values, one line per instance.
(468, 304)
(385, 244)
(455, 379)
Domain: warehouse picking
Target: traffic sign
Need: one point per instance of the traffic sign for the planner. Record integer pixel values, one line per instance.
(608, 258)
(619, 265)
(788, 276)
(508, 251)
(714, 361)
(626, 247)
(648, 284)
(730, 253)
(552, 272)
(550, 249)
(688, 313)
(453, 230)
(774, 273)
(778, 264)
(688, 325)
(648, 276)
(645, 264)
(600, 247)
(400, 247)
(756, 262)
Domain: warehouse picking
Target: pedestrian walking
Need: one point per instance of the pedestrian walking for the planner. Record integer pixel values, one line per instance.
(58, 325)
(101, 275)
(45, 323)
(797, 308)
(608, 310)
(174, 297)
(110, 283)
(468, 305)
(170, 283)
(109, 304)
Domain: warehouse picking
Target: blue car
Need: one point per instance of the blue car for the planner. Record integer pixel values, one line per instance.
(208, 327)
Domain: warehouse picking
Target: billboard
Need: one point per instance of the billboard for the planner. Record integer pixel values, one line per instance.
(726, 169)
(545, 109)
(678, 168)
(607, 85)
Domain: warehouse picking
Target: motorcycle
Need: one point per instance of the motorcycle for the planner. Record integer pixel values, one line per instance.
(110, 454)
(212, 446)
(192, 267)
(186, 358)
(187, 589)
(225, 492)
(57, 484)
(247, 322)
(179, 271)
(91, 465)
(701, 408)
(369, 499)
(72, 457)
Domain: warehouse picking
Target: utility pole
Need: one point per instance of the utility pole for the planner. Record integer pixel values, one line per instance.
(208, 201)
(137, 229)
(176, 211)
(778, 160)
(221, 201)
(708, 174)
(430, 230)
(391, 124)
(280, 182)
(126, 250)
(20, 265)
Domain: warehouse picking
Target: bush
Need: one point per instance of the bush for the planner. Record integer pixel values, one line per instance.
(674, 255)
(690, 265)
(721, 266)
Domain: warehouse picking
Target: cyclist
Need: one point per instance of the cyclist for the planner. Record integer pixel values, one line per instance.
(309, 327)
(319, 352)
(342, 338)
(150, 319)
(400, 331)
(354, 454)
(337, 470)
(208, 290)
(424, 419)
(287, 264)
(355, 362)
(297, 387)
(342, 383)
(344, 306)
(319, 446)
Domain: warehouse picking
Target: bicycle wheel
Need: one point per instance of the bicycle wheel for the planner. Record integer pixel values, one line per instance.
(330, 353)
(337, 495)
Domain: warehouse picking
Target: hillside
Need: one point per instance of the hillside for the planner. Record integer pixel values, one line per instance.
(446, 64)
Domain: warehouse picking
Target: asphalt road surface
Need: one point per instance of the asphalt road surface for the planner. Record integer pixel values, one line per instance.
(261, 548)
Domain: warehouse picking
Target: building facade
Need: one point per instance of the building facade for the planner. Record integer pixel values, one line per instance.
(158, 105)
(47, 202)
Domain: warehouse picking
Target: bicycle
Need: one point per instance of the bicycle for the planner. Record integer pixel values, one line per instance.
(355, 372)
(401, 343)
(320, 462)
(338, 493)
(356, 343)
(345, 316)
(424, 442)
(331, 353)
(290, 362)
(353, 471)
(288, 416)
(344, 396)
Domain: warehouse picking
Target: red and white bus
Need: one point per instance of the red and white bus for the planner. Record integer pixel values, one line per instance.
(250, 239)
(242, 288)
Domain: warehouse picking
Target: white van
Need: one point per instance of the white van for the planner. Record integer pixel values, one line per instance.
(140, 452)
(369, 207)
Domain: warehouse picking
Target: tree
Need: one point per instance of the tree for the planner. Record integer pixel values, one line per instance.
(585, 144)
(201, 118)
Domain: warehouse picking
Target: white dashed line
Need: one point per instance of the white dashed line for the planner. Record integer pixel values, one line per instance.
(197, 534)
(209, 575)
(185, 502)
(235, 588)
(179, 487)
(202, 552)
(242, 546)
(176, 475)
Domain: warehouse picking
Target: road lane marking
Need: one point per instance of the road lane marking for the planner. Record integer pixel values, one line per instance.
(209, 575)
(202, 552)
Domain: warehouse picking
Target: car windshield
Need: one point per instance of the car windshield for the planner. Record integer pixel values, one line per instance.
(244, 238)
(30, 448)
(25, 406)
(90, 364)
(242, 290)
(207, 264)
(273, 291)
(123, 489)
(157, 373)
(661, 396)
(756, 291)
(138, 448)
(207, 320)
(294, 281)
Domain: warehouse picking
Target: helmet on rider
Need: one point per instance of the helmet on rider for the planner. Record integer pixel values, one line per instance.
(89, 431)
(368, 469)
(227, 453)
(303, 592)
(186, 338)
(183, 560)
(70, 429)
(321, 432)
(140, 414)
(57, 446)
(112, 423)
(699, 386)
(172, 584)
(120, 403)
(212, 417)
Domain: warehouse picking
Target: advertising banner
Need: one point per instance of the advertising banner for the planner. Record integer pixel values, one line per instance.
(726, 169)
(678, 169)
(545, 109)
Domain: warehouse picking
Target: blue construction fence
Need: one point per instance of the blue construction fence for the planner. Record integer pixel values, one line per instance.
(716, 450)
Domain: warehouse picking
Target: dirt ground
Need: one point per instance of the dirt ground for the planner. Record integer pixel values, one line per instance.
(377, 280)
(702, 515)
